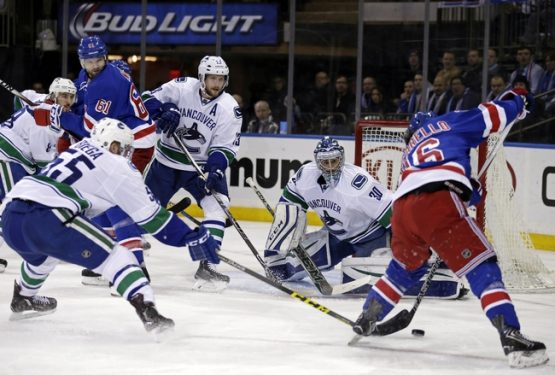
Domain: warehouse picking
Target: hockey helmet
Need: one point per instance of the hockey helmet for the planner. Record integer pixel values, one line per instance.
(109, 130)
(330, 159)
(212, 65)
(121, 65)
(62, 85)
(417, 121)
(91, 47)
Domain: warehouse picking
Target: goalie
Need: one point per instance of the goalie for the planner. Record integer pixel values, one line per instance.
(355, 210)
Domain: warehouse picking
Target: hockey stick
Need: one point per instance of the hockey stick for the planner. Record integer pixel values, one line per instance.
(225, 209)
(8, 87)
(403, 318)
(313, 271)
(284, 289)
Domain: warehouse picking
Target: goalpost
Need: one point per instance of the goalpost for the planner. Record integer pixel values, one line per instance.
(378, 148)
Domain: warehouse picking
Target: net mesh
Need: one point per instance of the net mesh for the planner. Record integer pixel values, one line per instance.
(378, 148)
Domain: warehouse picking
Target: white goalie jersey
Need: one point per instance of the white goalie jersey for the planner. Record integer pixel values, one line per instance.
(352, 210)
(206, 126)
(24, 142)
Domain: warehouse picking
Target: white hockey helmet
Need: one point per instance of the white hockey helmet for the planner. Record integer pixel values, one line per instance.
(212, 65)
(62, 85)
(109, 130)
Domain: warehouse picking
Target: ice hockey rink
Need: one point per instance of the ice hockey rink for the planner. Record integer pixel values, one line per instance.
(250, 328)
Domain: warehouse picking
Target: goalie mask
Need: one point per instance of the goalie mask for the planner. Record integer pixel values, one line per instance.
(62, 86)
(212, 65)
(330, 159)
(108, 130)
(417, 121)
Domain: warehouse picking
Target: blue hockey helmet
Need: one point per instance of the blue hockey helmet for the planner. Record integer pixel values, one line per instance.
(417, 121)
(91, 47)
(330, 159)
(121, 65)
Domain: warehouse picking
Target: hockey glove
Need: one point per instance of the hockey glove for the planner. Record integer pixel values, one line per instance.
(202, 246)
(48, 115)
(527, 99)
(216, 181)
(169, 119)
(477, 193)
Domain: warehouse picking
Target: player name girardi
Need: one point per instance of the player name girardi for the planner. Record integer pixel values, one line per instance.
(99, 22)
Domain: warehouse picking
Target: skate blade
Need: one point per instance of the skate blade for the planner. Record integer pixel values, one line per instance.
(209, 286)
(355, 340)
(94, 281)
(524, 359)
(162, 334)
(29, 314)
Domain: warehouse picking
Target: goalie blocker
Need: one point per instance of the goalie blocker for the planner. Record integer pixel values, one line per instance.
(357, 260)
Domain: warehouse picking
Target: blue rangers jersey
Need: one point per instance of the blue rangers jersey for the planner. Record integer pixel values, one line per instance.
(206, 126)
(440, 149)
(111, 93)
(352, 210)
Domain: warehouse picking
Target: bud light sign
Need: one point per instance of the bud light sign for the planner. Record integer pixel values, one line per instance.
(174, 23)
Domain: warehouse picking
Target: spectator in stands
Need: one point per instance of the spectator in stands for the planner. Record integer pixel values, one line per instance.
(246, 116)
(368, 84)
(472, 74)
(378, 104)
(403, 100)
(344, 103)
(440, 97)
(463, 98)
(493, 66)
(450, 69)
(263, 121)
(318, 97)
(527, 68)
(38, 87)
(416, 100)
(275, 97)
(498, 86)
(547, 82)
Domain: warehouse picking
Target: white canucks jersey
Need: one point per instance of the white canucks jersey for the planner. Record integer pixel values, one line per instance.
(32, 95)
(24, 142)
(206, 126)
(352, 210)
(109, 180)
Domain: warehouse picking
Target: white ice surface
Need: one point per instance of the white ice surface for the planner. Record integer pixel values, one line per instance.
(250, 328)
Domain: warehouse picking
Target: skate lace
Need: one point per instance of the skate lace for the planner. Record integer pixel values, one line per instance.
(40, 300)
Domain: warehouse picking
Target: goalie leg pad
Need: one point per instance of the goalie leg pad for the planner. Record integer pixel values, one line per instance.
(444, 285)
(354, 268)
(287, 229)
(289, 268)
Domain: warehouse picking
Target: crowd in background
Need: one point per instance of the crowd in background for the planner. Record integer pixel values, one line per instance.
(327, 106)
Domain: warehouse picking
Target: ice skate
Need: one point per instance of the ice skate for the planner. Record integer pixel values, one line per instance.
(152, 320)
(366, 322)
(3, 265)
(520, 350)
(30, 307)
(208, 279)
(89, 277)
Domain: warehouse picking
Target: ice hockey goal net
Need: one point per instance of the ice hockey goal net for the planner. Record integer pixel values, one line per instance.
(378, 149)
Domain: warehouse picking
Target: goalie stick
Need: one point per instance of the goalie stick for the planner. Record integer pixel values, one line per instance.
(225, 209)
(8, 87)
(277, 285)
(312, 269)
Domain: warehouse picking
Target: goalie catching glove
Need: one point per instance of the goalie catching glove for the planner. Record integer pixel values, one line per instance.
(202, 246)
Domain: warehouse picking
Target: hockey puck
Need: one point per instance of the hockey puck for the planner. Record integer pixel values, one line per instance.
(418, 332)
